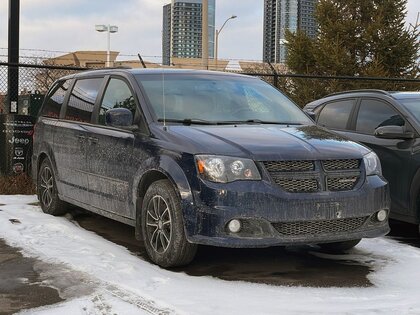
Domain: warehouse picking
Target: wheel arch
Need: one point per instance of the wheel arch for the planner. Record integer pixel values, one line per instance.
(155, 169)
(44, 152)
(414, 197)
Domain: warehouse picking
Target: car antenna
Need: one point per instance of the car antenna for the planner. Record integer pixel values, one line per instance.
(164, 100)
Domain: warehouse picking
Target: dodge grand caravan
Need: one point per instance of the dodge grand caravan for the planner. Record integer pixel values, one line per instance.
(196, 157)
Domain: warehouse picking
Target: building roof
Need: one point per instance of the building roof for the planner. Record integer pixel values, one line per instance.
(83, 59)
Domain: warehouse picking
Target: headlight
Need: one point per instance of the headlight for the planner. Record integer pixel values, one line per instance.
(224, 169)
(372, 164)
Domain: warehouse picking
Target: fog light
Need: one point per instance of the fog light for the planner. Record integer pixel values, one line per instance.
(382, 215)
(234, 226)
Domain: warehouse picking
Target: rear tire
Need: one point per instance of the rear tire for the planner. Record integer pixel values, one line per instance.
(339, 246)
(163, 227)
(47, 190)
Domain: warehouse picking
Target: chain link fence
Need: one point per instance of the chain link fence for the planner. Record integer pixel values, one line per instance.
(37, 78)
(33, 79)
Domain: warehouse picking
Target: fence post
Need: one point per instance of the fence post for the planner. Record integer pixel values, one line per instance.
(276, 76)
(13, 56)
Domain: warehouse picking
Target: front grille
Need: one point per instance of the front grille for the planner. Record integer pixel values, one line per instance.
(298, 185)
(319, 227)
(334, 165)
(315, 176)
(341, 183)
(289, 166)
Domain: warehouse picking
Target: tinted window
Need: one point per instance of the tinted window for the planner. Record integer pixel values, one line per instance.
(413, 106)
(217, 98)
(336, 115)
(82, 99)
(53, 103)
(117, 95)
(374, 114)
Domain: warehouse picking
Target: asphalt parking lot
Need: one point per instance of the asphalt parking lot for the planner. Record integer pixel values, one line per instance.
(275, 266)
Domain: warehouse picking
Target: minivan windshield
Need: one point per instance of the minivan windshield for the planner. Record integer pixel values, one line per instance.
(217, 99)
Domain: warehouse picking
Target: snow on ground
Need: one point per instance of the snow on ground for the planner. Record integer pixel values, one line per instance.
(129, 285)
(96, 304)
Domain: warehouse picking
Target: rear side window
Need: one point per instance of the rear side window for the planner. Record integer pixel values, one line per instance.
(374, 114)
(54, 101)
(82, 99)
(117, 95)
(336, 115)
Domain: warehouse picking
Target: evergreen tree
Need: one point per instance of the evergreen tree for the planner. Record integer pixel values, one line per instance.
(355, 38)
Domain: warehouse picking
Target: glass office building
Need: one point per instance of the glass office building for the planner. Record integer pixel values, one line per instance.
(182, 29)
(282, 15)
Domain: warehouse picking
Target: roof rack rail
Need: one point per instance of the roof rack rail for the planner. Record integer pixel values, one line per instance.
(112, 68)
(361, 91)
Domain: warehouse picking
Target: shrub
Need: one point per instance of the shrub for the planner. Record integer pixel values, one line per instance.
(17, 185)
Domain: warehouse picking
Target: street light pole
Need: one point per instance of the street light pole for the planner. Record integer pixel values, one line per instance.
(109, 29)
(217, 40)
(108, 50)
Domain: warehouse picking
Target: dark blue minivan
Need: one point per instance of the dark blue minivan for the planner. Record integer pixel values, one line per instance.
(198, 157)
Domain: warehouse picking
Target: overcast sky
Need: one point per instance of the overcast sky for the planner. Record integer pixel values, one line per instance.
(68, 25)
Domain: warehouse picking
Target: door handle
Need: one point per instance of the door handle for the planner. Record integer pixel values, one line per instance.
(93, 140)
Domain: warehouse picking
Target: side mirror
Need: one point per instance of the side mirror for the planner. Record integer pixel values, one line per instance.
(119, 118)
(393, 132)
(311, 114)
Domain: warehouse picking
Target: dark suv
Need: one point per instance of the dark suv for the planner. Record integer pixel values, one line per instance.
(195, 157)
(388, 123)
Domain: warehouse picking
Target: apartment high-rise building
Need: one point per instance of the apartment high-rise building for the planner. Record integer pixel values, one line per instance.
(282, 15)
(182, 29)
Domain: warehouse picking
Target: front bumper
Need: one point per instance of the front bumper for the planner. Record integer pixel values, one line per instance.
(272, 217)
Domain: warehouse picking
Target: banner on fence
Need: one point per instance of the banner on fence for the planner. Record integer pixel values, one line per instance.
(16, 132)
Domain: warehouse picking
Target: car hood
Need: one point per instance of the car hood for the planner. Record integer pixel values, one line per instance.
(266, 142)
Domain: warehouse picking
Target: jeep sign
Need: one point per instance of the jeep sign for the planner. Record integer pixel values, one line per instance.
(15, 143)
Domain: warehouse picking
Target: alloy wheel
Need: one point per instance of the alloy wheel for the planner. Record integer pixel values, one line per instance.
(47, 187)
(159, 224)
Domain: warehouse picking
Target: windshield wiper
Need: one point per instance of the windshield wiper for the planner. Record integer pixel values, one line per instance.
(191, 121)
(257, 121)
(188, 122)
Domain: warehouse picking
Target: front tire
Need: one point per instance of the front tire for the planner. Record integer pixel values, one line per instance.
(339, 246)
(47, 191)
(163, 227)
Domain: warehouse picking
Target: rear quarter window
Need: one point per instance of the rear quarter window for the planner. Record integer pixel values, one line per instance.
(54, 101)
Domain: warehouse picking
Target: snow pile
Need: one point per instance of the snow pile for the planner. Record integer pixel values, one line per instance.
(127, 281)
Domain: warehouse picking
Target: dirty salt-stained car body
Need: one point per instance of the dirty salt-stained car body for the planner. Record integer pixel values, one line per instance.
(196, 157)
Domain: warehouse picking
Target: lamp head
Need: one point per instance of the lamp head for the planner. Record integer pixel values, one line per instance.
(101, 28)
(113, 29)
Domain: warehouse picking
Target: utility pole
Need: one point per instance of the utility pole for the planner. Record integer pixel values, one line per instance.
(205, 36)
(13, 56)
